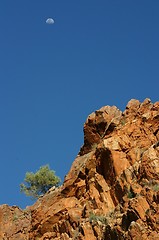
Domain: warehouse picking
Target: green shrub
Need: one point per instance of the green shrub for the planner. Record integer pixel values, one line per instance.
(130, 194)
(97, 218)
(156, 187)
(37, 184)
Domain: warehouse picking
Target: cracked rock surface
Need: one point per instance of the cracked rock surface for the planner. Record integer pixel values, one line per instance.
(112, 189)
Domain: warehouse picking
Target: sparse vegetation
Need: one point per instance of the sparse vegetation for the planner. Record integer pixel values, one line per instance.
(152, 184)
(97, 218)
(130, 194)
(123, 121)
(15, 217)
(37, 184)
(155, 187)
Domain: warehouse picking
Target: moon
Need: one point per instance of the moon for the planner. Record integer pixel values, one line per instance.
(50, 21)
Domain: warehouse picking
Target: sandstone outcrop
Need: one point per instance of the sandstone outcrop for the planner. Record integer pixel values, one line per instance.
(112, 189)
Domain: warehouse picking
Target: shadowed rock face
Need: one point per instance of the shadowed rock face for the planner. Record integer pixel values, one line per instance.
(112, 189)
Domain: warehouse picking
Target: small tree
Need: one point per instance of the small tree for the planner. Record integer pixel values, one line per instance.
(37, 184)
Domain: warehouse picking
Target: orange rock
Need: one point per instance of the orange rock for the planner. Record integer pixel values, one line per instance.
(112, 189)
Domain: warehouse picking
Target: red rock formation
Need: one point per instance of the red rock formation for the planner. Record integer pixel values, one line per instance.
(112, 189)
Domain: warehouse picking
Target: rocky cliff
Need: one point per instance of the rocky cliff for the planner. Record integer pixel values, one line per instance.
(112, 189)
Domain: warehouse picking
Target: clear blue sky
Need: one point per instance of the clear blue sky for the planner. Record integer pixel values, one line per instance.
(53, 76)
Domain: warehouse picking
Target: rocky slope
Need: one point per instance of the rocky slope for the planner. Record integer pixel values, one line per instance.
(112, 189)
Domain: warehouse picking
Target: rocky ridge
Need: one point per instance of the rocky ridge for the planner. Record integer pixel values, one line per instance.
(112, 189)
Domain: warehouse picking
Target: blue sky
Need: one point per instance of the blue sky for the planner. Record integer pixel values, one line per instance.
(53, 76)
